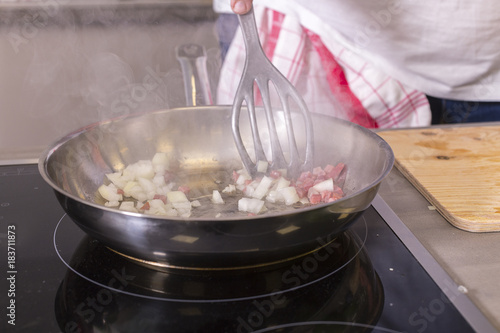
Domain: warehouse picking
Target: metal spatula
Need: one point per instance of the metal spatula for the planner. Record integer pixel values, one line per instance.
(258, 69)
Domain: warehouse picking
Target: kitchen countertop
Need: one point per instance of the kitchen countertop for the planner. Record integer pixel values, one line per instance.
(471, 259)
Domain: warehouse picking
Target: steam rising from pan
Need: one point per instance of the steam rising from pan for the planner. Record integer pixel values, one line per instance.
(73, 63)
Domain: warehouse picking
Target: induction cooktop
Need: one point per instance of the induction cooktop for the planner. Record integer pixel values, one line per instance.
(375, 277)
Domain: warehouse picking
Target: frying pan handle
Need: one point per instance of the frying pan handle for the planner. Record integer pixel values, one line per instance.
(193, 60)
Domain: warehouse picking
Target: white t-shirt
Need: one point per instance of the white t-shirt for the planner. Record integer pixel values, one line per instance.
(448, 49)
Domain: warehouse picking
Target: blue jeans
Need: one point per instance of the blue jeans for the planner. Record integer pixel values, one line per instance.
(445, 111)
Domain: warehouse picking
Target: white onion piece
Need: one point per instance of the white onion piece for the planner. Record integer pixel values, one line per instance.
(274, 196)
(134, 190)
(176, 196)
(147, 186)
(262, 166)
(326, 185)
(117, 179)
(159, 180)
(249, 189)
(183, 208)
(128, 188)
(128, 174)
(282, 183)
(157, 207)
(250, 205)
(128, 206)
(112, 203)
(182, 205)
(109, 192)
(243, 177)
(144, 169)
(156, 204)
(217, 198)
(229, 189)
(290, 195)
(262, 187)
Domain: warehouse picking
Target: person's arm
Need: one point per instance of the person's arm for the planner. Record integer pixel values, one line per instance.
(241, 6)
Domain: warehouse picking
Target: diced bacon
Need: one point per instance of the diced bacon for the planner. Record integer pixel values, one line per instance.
(236, 175)
(314, 198)
(337, 191)
(301, 192)
(146, 206)
(306, 184)
(319, 172)
(120, 191)
(335, 197)
(160, 197)
(326, 196)
(317, 181)
(305, 175)
(334, 171)
(321, 178)
(183, 188)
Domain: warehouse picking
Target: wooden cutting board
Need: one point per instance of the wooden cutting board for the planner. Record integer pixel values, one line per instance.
(456, 168)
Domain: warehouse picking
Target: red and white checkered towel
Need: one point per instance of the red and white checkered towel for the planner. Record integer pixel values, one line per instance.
(331, 79)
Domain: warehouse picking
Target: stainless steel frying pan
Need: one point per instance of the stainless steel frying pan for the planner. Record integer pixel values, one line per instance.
(199, 140)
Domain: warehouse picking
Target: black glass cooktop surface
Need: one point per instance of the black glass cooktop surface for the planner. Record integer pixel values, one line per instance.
(57, 279)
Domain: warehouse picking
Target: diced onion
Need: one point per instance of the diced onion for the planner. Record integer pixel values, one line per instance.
(229, 189)
(112, 203)
(145, 169)
(250, 205)
(217, 198)
(110, 193)
(177, 196)
(128, 206)
(243, 177)
(326, 185)
(262, 166)
(290, 195)
(282, 183)
(274, 196)
(262, 188)
(117, 179)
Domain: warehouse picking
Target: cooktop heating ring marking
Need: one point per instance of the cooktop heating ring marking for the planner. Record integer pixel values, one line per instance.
(161, 265)
(331, 323)
(246, 298)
